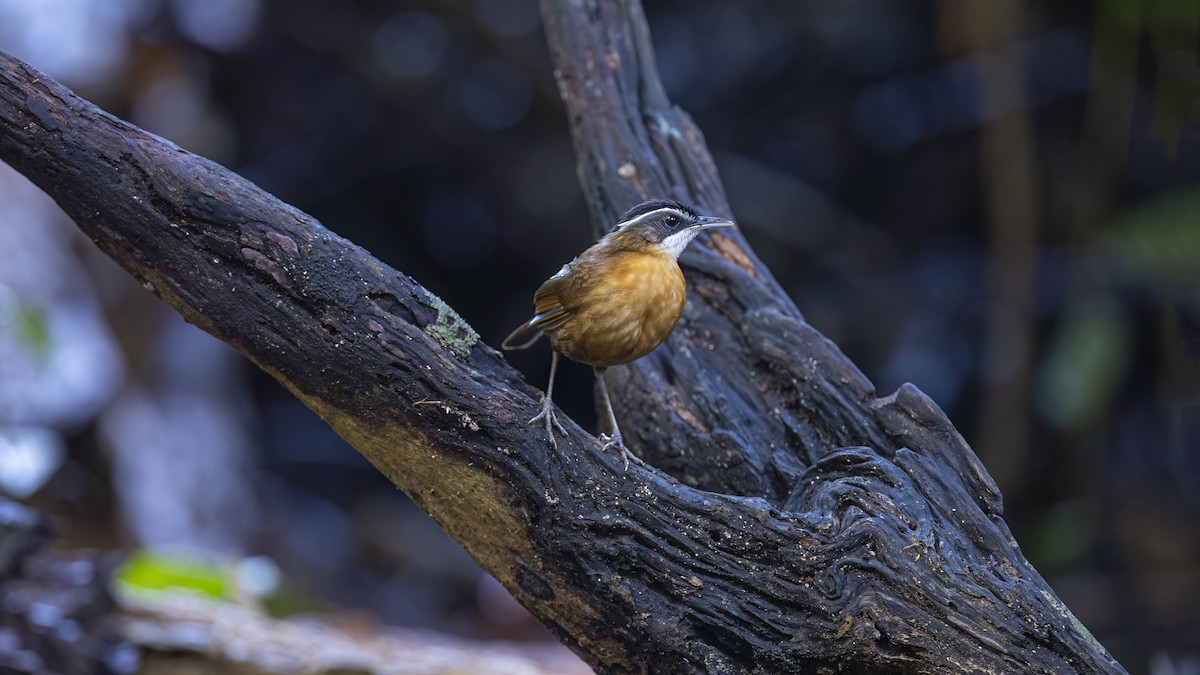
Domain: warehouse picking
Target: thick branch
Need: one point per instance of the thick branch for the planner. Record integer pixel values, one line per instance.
(632, 570)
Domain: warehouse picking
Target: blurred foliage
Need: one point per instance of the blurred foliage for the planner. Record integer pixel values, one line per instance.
(155, 571)
(1159, 241)
(253, 580)
(32, 329)
(1059, 537)
(1084, 365)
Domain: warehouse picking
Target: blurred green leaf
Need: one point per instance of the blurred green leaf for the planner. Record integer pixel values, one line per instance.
(1160, 241)
(156, 571)
(291, 600)
(32, 328)
(1084, 365)
(1126, 15)
(1058, 537)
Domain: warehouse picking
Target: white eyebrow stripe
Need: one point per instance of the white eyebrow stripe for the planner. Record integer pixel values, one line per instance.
(650, 214)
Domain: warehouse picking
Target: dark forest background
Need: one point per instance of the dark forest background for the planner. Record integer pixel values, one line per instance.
(994, 201)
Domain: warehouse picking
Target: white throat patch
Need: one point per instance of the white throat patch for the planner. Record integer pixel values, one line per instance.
(675, 243)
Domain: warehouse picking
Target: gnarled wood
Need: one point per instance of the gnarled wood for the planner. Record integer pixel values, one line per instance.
(835, 531)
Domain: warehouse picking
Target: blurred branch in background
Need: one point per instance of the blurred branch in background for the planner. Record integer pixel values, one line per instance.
(1174, 32)
(181, 633)
(1010, 200)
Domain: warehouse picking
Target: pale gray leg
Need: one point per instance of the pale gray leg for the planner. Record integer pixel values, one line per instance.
(615, 441)
(547, 413)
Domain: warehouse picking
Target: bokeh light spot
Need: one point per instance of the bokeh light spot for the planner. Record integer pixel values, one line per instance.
(494, 94)
(221, 25)
(458, 231)
(409, 45)
(508, 19)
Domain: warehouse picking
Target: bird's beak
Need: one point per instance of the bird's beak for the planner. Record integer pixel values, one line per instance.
(709, 222)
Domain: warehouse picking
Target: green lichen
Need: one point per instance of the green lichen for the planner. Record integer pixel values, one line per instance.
(449, 329)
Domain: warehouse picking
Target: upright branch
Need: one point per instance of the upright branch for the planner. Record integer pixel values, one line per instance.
(834, 531)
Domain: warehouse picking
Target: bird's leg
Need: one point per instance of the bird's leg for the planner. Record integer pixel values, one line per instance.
(615, 441)
(547, 413)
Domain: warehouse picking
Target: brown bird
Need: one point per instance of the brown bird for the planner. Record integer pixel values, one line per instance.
(616, 302)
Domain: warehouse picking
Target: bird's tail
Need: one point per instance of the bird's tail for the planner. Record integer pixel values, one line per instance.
(526, 332)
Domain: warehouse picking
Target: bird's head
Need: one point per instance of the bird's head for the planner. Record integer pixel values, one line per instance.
(663, 224)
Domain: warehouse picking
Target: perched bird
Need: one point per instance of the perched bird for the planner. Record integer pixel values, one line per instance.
(616, 302)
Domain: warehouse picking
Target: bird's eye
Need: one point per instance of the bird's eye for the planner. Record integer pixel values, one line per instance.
(671, 221)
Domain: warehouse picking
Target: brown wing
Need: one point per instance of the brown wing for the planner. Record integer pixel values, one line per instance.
(552, 308)
(549, 310)
(564, 293)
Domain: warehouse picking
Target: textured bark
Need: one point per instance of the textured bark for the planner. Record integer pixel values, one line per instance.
(812, 526)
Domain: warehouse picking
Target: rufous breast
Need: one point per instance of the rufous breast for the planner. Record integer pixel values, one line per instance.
(629, 310)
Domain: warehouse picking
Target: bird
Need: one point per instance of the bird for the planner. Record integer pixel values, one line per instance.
(615, 302)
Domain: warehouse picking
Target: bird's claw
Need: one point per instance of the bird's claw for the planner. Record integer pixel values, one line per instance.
(615, 442)
(551, 420)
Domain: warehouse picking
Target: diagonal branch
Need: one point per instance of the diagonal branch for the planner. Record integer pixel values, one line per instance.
(874, 557)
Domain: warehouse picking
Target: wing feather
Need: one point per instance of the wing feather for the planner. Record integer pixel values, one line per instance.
(548, 304)
(526, 332)
(550, 311)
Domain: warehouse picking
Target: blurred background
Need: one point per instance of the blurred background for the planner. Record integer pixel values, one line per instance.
(994, 201)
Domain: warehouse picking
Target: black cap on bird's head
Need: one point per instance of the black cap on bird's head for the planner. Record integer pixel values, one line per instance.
(667, 222)
(653, 205)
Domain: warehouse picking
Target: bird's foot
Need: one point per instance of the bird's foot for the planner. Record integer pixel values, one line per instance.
(615, 442)
(547, 415)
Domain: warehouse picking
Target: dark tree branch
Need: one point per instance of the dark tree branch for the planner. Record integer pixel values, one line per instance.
(886, 555)
(789, 397)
